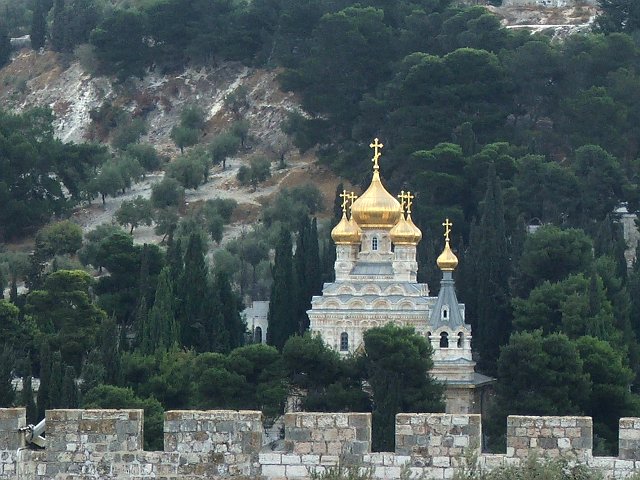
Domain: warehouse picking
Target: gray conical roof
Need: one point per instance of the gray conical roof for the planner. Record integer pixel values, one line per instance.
(447, 301)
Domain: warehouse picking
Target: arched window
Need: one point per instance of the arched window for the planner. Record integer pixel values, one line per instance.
(374, 243)
(444, 340)
(445, 313)
(344, 342)
(460, 339)
(257, 335)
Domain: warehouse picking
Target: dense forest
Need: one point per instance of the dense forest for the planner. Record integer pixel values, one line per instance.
(496, 129)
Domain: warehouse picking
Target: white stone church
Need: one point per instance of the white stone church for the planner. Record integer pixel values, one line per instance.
(376, 284)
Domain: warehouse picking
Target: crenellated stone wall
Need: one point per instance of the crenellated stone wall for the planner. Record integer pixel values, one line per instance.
(570, 437)
(107, 444)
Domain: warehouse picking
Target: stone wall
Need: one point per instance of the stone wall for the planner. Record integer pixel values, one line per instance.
(107, 444)
(550, 437)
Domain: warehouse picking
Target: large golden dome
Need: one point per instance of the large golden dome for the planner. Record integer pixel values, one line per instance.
(346, 232)
(376, 208)
(405, 232)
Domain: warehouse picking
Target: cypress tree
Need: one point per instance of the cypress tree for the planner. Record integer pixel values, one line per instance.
(490, 254)
(283, 300)
(609, 240)
(633, 286)
(69, 394)
(230, 308)
(38, 25)
(162, 332)
(144, 283)
(300, 274)
(93, 372)
(7, 392)
(58, 26)
(193, 289)
(56, 381)
(27, 401)
(312, 261)
(141, 322)
(5, 45)
(110, 351)
(175, 259)
(45, 379)
(308, 270)
(13, 292)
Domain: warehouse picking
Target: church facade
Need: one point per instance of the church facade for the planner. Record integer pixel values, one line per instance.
(376, 283)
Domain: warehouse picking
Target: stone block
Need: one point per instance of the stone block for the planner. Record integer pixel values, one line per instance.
(297, 471)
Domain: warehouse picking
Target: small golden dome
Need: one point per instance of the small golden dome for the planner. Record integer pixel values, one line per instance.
(346, 232)
(376, 208)
(405, 232)
(447, 261)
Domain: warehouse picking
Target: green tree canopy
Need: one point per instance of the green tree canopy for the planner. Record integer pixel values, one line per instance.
(397, 362)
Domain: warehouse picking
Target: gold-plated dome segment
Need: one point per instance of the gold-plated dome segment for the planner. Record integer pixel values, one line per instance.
(347, 231)
(376, 208)
(447, 261)
(405, 232)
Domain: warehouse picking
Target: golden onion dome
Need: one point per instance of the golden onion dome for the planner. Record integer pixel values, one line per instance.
(447, 261)
(346, 232)
(376, 208)
(405, 232)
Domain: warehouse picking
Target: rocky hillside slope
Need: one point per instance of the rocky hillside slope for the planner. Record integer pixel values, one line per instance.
(43, 79)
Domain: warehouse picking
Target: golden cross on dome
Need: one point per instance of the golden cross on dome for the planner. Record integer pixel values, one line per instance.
(352, 196)
(345, 200)
(377, 146)
(447, 229)
(402, 198)
(408, 197)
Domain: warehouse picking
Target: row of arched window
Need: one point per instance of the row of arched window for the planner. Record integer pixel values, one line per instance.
(444, 339)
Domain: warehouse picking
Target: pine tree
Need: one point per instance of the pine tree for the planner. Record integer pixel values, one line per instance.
(7, 392)
(69, 394)
(56, 381)
(193, 291)
(38, 25)
(283, 301)
(45, 379)
(490, 254)
(27, 401)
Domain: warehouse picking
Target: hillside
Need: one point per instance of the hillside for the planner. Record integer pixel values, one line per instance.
(43, 79)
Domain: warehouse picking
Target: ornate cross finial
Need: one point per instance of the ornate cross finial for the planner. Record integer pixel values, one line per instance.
(345, 200)
(352, 196)
(447, 229)
(402, 198)
(408, 197)
(406, 200)
(377, 146)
